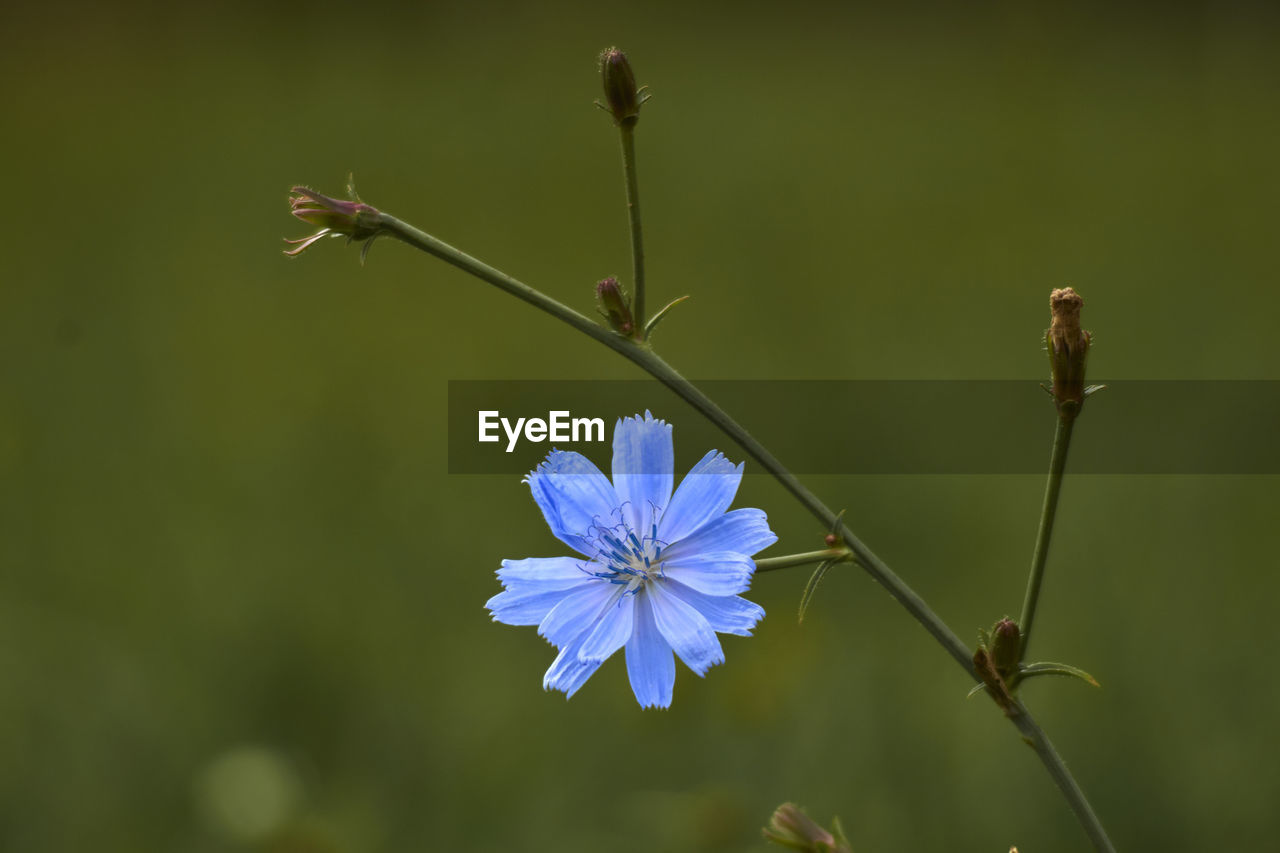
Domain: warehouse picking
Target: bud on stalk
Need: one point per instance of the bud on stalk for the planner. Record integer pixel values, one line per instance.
(614, 306)
(1068, 346)
(622, 99)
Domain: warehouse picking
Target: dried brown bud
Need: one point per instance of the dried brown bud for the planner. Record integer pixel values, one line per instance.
(1068, 346)
(985, 669)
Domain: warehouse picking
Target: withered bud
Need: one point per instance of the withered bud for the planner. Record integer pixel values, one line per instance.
(615, 306)
(621, 97)
(985, 669)
(1068, 346)
(791, 827)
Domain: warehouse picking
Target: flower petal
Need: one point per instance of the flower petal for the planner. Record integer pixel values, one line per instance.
(306, 242)
(643, 462)
(611, 632)
(704, 494)
(567, 673)
(577, 613)
(685, 629)
(575, 498)
(525, 605)
(650, 664)
(728, 614)
(712, 572)
(545, 572)
(745, 531)
(534, 586)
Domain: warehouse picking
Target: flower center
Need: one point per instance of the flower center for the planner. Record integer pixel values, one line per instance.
(624, 557)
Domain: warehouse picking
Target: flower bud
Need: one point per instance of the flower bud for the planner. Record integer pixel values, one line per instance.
(353, 219)
(615, 306)
(1006, 647)
(791, 827)
(621, 97)
(1068, 346)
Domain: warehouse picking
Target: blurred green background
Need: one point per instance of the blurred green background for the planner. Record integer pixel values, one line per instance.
(241, 601)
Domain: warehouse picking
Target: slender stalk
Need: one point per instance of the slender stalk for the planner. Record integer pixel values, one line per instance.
(646, 359)
(1039, 741)
(769, 564)
(405, 232)
(628, 136)
(649, 361)
(1057, 464)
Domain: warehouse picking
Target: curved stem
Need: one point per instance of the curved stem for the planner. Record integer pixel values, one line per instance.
(1057, 464)
(769, 564)
(628, 135)
(647, 360)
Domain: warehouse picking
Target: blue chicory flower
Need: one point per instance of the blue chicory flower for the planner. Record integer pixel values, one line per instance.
(659, 572)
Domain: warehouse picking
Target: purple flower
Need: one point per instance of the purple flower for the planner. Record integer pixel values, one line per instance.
(659, 572)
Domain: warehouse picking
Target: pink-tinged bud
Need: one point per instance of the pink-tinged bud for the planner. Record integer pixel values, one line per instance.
(791, 827)
(615, 306)
(1006, 647)
(1068, 346)
(354, 220)
(621, 97)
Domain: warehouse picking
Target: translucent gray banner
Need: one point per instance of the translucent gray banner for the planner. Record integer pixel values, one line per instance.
(882, 427)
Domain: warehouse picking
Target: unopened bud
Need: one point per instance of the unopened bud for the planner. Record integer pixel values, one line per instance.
(1006, 647)
(621, 97)
(615, 306)
(1068, 346)
(791, 827)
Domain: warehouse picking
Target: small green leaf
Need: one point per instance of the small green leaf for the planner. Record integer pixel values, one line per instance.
(812, 586)
(1047, 668)
(837, 831)
(653, 321)
(364, 250)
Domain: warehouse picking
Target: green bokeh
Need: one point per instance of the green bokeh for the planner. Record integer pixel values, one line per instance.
(232, 558)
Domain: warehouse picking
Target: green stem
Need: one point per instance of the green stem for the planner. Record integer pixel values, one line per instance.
(1039, 741)
(646, 359)
(1057, 464)
(769, 564)
(628, 136)
(649, 361)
